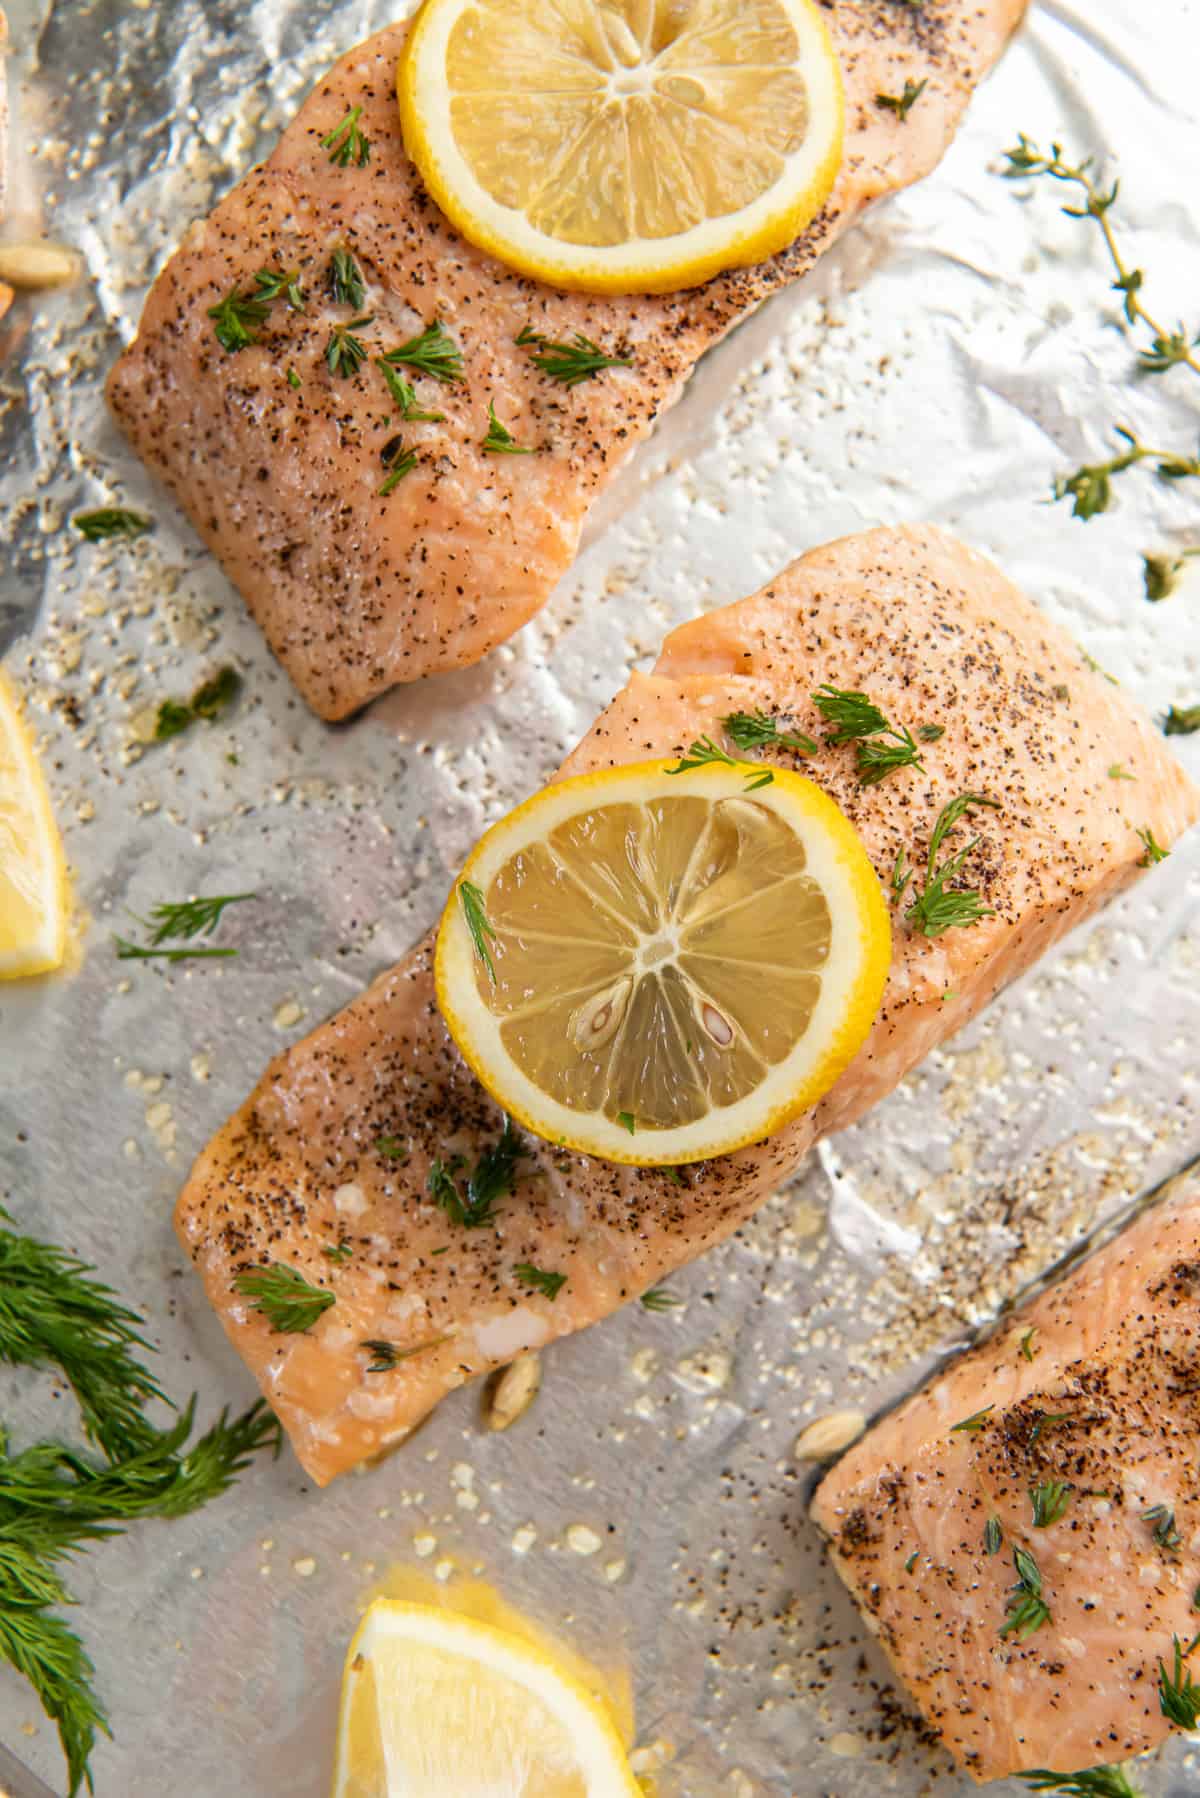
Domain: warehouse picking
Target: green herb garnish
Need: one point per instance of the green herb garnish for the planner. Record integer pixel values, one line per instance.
(929, 733)
(940, 907)
(500, 440)
(626, 1119)
(345, 353)
(338, 1252)
(385, 1355)
(1154, 850)
(1028, 1350)
(1117, 772)
(1178, 1695)
(993, 1536)
(398, 461)
(281, 283)
(569, 363)
(392, 1148)
(1162, 1525)
(492, 1179)
(346, 143)
(346, 284)
(1095, 1782)
(208, 701)
(857, 719)
(1161, 573)
(405, 396)
(704, 751)
(1090, 488)
(537, 1277)
(478, 923)
(111, 521)
(285, 1298)
(1027, 1609)
(659, 1299)
(433, 353)
(1050, 1501)
(1181, 720)
(902, 104)
(756, 730)
(973, 1424)
(237, 319)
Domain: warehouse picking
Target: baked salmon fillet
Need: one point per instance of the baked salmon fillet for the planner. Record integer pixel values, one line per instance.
(357, 590)
(331, 1153)
(1086, 1406)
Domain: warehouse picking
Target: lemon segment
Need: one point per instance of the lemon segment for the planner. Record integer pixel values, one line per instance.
(675, 965)
(33, 883)
(434, 1703)
(624, 146)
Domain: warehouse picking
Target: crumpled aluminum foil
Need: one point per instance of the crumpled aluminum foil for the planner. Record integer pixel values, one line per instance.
(945, 362)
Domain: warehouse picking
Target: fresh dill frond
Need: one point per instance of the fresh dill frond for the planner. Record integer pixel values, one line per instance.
(858, 720)
(338, 1252)
(1093, 1782)
(127, 951)
(434, 352)
(547, 1283)
(111, 521)
(492, 1178)
(478, 923)
(345, 353)
(1178, 1694)
(286, 1299)
(499, 440)
(704, 752)
(385, 1355)
(1028, 1344)
(190, 917)
(878, 758)
(405, 396)
(348, 144)
(757, 730)
(569, 363)
(238, 318)
(939, 906)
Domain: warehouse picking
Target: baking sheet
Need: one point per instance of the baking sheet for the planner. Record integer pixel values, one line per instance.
(945, 362)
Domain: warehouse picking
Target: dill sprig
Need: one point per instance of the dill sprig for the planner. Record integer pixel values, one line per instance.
(550, 1285)
(345, 281)
(856, 719)
(659, 1299)
(939, 906)
(1163, 1527)
(973, 1424)
(491, 1180)
(209, 700)
(187, 919)
(398, 461)
(345, 353)
(499, 440)
(1094, 1782)
(1181, 720)
(1027, 1608)
(237, 319)
(757, 730)
(286, 1299)
(902, 104)
(405, 396)
(111, 521)
(1153, 850)
(346, 143)
(704, 752)
(1168, 348)
(54, 1501)
(1178, 1694)
(1089, 488)
(281, 283)
(385, 1355)
(433, 353)
(478, 923)
(1050, 1500)
(569, 363)
(1161, 573)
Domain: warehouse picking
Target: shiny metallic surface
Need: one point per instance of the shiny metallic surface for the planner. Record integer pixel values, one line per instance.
(945, 362)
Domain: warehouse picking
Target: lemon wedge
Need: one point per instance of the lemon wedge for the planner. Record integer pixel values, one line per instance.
(436, 1705)
(619, 146)
(33, 881)
(656, 967)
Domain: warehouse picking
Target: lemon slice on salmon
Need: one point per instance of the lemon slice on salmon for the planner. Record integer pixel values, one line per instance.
(656, 967)
(33, 881)
(435, 1704)
(619, 146)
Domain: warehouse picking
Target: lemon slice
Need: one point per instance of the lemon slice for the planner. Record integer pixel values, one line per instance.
(436, 1705)
(620, 146)
(33, 882)
(657, 967)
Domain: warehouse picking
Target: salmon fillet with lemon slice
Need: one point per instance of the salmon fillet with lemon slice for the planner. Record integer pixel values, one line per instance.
(1054, 1468)
(279, 461)
(326, 1167)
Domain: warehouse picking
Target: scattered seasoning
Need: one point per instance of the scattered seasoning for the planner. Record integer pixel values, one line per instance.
(433, 353)
(398, 461)
(1162, 1526)
(1154, 850)
(338, 1252)
(392, 1148)
(569, 363)
(346, 143)
(756, 730)
(478, 923)
(856, 719)
(902, 104)
(500, 440)
(659, 1299)
(1094, 1782)
(939, 908)
(1027, 1344)
(111, 521)
(57, 1503)
(547, 1283)
(405, 396)
(1027, 1609)
(1178, 1695)
(345, 281)
(1161, 573)
(1181, 721)
(912, 1560)
(493, 1177)
(627, 1121)
(285, 1298)
(977, 1421)
(345, 353)
(704, 751)
(209, 700)
(281, 283)
(237, 318)
(1050, 1501)
(385, 1355)
(1117, 772)
(993, 1536)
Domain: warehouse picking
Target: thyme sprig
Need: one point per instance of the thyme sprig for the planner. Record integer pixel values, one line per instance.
(1161, 573)
(1089, 488)
(569, 363)
(1163, 1528)
(1050, 1500)
(1168, 348)
(939, 906)
(346, 143)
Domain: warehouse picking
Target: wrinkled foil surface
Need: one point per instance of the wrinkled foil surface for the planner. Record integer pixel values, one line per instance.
(946, 362)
